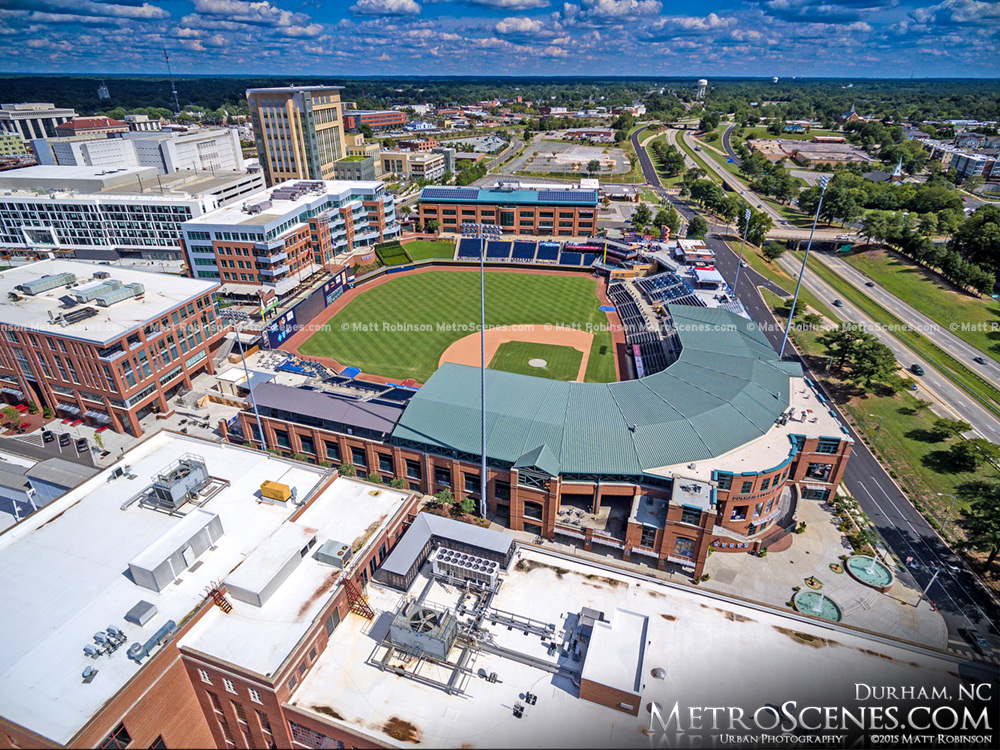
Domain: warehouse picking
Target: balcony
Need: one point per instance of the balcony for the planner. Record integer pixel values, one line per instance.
(270, 244)
(276, 271)
(268, 259)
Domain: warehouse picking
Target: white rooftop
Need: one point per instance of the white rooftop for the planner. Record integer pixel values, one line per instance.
(66, 575)
(712, 653)
(282, 209)
(617, 651)
(774, 446)
(259, 639)
(163, 293)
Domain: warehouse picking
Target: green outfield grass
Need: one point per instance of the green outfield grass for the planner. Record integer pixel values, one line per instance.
(429, 249)
(562, 362)
(401, 328)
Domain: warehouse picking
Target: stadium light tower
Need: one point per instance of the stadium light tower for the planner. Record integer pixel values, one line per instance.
(236, 317)
(746, 229)
(823, 182)
(483, 232)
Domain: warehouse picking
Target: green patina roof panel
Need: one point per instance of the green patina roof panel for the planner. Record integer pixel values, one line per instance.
(726, 389)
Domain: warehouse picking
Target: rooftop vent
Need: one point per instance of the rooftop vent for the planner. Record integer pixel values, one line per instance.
(44, 284)
(120, 295)
(334, 553)
(181, 481)
(93, 291)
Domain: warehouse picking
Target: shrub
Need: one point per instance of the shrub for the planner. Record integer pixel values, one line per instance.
(32, 407)
(444, 497)
(325, 464)
(398, 483)
(374, 478)
(47, 413)
(347, 470)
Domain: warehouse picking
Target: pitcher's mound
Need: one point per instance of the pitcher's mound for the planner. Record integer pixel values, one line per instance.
(537, 362)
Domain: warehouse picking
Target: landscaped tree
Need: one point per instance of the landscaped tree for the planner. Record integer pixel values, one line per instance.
(969, 455)
(978, 239)
(10, 416)
(668, 217)
(641, 216)
(593, 166)
(873, 362)
(773, 250)
(981, 522)
(697, 227)
(950, 428)
(759, 225)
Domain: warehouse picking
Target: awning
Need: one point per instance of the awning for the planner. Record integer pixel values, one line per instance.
(817, 487)
(13, 392)
(100, 416)
(68, 408)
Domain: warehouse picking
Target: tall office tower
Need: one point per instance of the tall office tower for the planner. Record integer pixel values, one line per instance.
(299, 131)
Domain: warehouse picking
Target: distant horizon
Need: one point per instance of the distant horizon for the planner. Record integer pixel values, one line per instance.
(862, 39)
(484, 77)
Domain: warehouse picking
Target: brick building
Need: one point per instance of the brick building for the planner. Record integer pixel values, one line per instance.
(542, 212)
(713, 452)
(105, 346)
(375, 119)
(267, 245)
(91, 126)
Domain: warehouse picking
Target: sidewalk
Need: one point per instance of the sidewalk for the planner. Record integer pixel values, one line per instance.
(771, 580)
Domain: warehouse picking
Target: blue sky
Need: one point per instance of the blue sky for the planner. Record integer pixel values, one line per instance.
(838, 38)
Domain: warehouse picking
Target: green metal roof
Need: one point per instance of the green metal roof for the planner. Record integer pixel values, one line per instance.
(726, 388)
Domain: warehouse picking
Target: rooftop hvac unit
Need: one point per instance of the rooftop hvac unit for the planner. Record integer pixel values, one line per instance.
(44, 284)
(93, 291)
(181, 481)
(102, 275)
(334, 553)
(421, 629)
(120, 295)
(466, 567)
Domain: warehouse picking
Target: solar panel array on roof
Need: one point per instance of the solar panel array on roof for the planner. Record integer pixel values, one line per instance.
(462, 194)
(567, 196)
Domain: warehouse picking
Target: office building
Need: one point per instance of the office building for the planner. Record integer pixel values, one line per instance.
(92, 126)
(101, 214)
(356, 146)
(416, 165)
(567, 213)
(104, 345)
(142, 123)
(266, 245)
(298, 130)
(983, 165)
(11, 144)
(33, 120)
(208, 149)
(357, 168)
(375, 119)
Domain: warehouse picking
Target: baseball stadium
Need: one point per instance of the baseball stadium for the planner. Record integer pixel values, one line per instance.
(656, 433)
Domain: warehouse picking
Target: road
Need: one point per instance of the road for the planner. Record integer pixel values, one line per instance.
(960, 597)
(944, 338)
(728, 146)
(946, 392)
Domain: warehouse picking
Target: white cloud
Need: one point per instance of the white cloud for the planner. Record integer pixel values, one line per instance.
(621, 9)
(385, 8)
(519, 25)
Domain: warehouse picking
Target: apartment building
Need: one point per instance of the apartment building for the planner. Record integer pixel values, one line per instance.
(544, 212)
(269, 243)
(416, 165)
(375, 119)
(298, 130)
(33, 119)
(101, 214)
(108, 346)
(11, 144)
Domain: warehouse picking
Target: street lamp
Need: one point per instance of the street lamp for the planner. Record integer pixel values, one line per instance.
(483, 232)
(746, 229)
(947, 513)
(879, 430)
(823, 182)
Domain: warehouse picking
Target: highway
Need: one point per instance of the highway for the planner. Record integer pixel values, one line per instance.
(960, 597)
(946, 392)
(944, 338)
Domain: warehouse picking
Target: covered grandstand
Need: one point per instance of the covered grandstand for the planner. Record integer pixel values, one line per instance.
(726, 388)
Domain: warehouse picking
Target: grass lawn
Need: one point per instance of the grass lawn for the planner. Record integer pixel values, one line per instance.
(400, 329)
(986, 393)
(664, 180)
(934, 297)
(428, 249)
(562, 362)
(392, 254)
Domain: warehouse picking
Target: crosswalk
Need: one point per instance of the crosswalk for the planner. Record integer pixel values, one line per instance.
(963, 649)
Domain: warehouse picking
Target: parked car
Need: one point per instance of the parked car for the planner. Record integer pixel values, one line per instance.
(916, 369)
(979, 360)
(978, 641)
(838, 303)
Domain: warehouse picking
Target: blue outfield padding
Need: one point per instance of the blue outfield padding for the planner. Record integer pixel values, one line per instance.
(350, 372)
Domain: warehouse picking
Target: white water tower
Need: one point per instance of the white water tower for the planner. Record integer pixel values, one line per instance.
(702, 88)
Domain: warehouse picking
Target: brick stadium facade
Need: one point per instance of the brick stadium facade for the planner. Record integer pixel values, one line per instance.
(563, 213)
